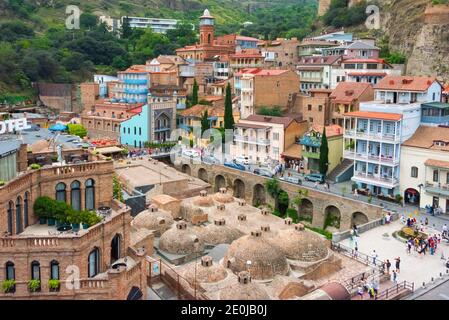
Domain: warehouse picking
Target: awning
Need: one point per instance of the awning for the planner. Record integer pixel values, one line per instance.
(109, 150)
(293, 151)
(135, 294)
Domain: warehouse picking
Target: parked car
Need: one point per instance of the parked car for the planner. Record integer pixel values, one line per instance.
(234, 165)
(190, 153)
(315, 177)
(294, 180)
(242, 160)
(210, 159)
(263, 172)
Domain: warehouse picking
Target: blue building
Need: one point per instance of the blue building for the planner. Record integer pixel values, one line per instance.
(435, 114)
(133, 85)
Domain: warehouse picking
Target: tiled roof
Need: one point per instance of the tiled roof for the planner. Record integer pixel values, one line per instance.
(425, 137)
(347, 92)
(333, 130)
(319, 60)
(364, 61)
(437, 163)
(367, 74)
(243, 38)
(198, 110)
(269, 119)
(375, 115)
(405, 83)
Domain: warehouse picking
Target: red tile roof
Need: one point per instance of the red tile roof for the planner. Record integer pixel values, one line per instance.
(333, 130)
(437, 163)
(425, 137)
(375, 115)
(243, 38)
(269, 119)
(405, 83)
(347, 92)
(378, 74)
(364, 61)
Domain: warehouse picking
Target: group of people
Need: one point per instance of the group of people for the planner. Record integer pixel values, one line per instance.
(372, 288)
(295, 165)
(421, 245)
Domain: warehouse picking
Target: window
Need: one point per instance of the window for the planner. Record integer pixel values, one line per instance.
(140, 131)
(435, 176)
(116, 248)
(135, 130)
(10, 273)
(414, 173)
(35, 270)
(75, 195)
(10, 216)
(309, 107)
(320, 108)
(276, 151)
(94, 263)
(26, 201)
(310, 119)
(19, 227)
(90, 194)
(447, 181)
(276, 136)
(61, 192)
(54, 270)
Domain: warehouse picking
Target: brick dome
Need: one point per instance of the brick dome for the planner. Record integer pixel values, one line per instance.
(206, 272)
(244, 289)
(219, 232)
(267, 259)
(153, 219)
(180, 240)
(299, 244)
(203, 200)
(223, 197)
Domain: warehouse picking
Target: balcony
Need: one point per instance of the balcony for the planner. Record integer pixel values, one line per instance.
(372, 136)
(437, 188)
(245, 65)
(435, 119)
(251, 140)
(375, 179)
(311, 79)
(161, 129)
(362, 156)
(136, 91)
(311, 154)
(136, 81)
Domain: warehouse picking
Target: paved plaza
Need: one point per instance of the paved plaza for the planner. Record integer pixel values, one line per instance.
(414, 267)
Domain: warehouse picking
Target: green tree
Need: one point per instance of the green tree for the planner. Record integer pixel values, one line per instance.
(297, 200)
(273, 112)
(324, 154)
(284, 201)
(126, 29)
(117, 189)
(88, 20)
(228, 116)
(274, 190)
(77, 130)
(195, 93)
(205, 123)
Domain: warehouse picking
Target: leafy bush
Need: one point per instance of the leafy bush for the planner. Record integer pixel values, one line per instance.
(53, 284)
(293, 214)
(35, 166)
(43, 207)
(77, 130)
(325, 233)
(2, 183)
(340, 15)
(273, 112)
(8, 285)
(34, 285)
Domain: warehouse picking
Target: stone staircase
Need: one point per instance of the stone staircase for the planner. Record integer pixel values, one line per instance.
(343, 167)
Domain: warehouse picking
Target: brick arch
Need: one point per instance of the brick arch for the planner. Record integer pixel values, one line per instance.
(239, 188)
(259, 194)
(186, 169)
(306, 209)
(332, 214)
(202, 175)
(219, 182)
(358, 218)
(116, 246)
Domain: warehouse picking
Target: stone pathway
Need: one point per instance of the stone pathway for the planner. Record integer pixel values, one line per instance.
(414, 268)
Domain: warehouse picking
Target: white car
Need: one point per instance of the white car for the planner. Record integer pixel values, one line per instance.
(242, 160)
(190, 153)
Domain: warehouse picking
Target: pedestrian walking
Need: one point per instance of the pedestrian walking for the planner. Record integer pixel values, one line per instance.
(409, 246)
(394, 276)
(360, 292)
(444, 230)
(374, 255)
(388, 264)
(398, 264)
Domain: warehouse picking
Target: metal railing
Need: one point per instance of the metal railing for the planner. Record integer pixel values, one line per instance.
(358, 256)
(394, 290)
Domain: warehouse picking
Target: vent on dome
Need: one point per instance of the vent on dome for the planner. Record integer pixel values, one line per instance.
(220, 222)
(153, 208)
(161, 220)
(256, 233)
(264, 212)
(222, 190)
(221, 207)
(181, 225)
(288, 221)
(203, 193)
(244, 277)
(206, 261)
(265, 228)
(242, 217)
(299, 227)
(241, 202)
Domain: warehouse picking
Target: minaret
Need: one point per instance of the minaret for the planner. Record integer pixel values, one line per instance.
(207, 28)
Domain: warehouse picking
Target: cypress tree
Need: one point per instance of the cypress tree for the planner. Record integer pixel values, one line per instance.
(126, 29)
(205, 124)
(195, 93)
(324, 154)
(228, 116)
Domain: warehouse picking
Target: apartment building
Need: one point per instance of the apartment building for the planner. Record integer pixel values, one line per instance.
(425, 168)
(265, 88)
(281, 53)
(263, 139)
(156, 24)
(373, 135)
(316, 71)
(245, 60)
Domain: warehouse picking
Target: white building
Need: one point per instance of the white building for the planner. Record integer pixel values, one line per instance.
(157, 25)
(373, 135)
(425, 168)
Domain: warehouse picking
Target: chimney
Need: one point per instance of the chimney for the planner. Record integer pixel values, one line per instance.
(288, 221)
(265, 228)
(221, 207)
(264, 212)
(299, 227)
(222, 190)
(241, 202)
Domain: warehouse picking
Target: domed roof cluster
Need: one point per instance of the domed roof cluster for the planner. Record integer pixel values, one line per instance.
(204, 200)
(153, 219)
(244, 289)
(301, 245)
(206, 272)
(223, 197)
(266, 258)
(180, 240)
(218, 232)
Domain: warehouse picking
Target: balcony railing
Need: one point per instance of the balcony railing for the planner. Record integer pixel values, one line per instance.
(370, 157)
(377, 179)
(251, 140)
(371, 136)
(136, 91)
(433, 119)
(310, 154)
(135, 81)
(437, 188)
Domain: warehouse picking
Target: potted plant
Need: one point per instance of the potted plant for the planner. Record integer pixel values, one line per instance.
(54, 285)
(74, 217)
(42, 207)
(2, 183)
(35, 166)
(34, 285)
(94, 219)
(85, 218)
(9, 286)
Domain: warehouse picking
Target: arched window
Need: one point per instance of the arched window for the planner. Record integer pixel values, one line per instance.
(35, 270)
(435, 176)
(19, 227)
(61, 192)
(115, 248)
(10, 271)
(414, 172)
(26, 201)
(209, 38)
(90, 194)
(75, 195)
(54, 270)
(10, 216)
(94, 263)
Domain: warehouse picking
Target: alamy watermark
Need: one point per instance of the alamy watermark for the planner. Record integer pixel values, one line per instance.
(73, 20)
